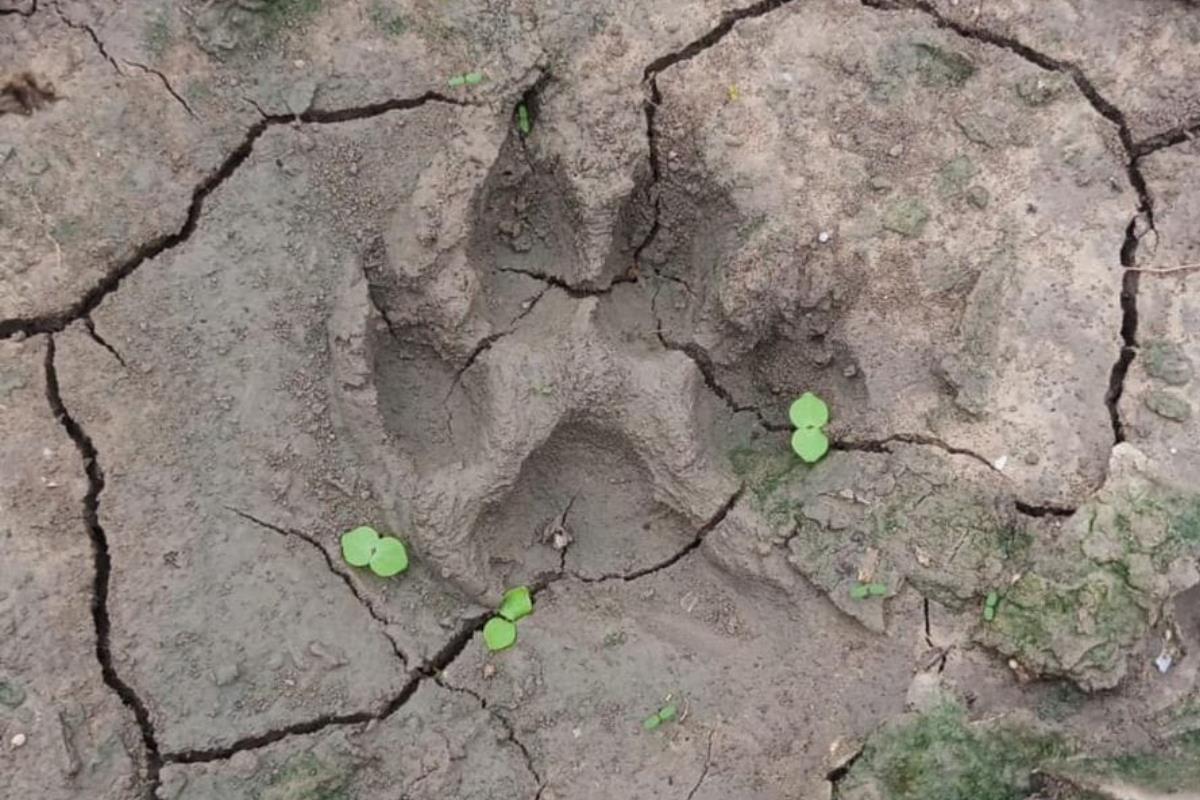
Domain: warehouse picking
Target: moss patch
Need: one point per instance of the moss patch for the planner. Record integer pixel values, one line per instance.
(938, 755)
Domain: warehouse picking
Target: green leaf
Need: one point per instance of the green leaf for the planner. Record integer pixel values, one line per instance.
(651, 722)
(810, 444)
(499, 633)
(390, 557)
(358, 546)
(472, 78)
(523, 123)
(876, 589)
(516, 603)
(457, 80)
(668, 712)
(989, 613)
(809, 411)
(859, 592)
(992, 600)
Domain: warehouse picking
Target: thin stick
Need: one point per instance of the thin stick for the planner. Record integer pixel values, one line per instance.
(1169, 270)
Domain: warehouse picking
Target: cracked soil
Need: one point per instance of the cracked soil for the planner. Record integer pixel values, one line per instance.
(267, 274)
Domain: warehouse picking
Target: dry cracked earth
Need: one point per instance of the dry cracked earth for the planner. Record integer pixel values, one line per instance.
(267, 273)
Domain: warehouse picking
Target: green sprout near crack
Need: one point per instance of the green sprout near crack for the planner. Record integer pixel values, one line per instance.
(364, 547)
(500, 632)
(809, 414)
(668, 713)
(524, 121)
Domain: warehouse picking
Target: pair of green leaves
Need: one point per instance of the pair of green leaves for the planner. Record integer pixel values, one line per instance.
(500, 632)
(665, 714)
(466, 79)
(524, 121)
(862, 591)
(809, 414)
(364, 547)
(990, 605)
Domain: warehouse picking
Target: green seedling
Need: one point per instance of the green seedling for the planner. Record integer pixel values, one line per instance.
(364, 547)
(524, 123)
(990, 605)
(809, 414)
(516, 603)
(864, 590)
(499, 634)
(466, 79)
(667, 713)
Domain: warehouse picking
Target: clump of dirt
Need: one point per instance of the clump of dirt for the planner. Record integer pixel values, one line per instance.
(24, 94)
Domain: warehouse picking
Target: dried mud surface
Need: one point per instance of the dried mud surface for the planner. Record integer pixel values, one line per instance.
(267, 273)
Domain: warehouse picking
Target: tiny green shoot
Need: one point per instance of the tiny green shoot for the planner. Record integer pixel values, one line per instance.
(524, 124)
(499, 634)
(809, 414)
(862, 591)
(667, 713)
(516, 604)
(466, 79)
(990, 605)
(364, 547)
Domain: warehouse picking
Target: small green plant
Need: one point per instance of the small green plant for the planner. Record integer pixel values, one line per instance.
(862, 591)
(668, 713)
(990, 604)
(500, 632)
(524, 124)
(809, 414)
(364, 547)
(466, 79)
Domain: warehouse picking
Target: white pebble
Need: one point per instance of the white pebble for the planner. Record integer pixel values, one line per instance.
(1000, 463)
(18, 741)
(823, 237)
(1163, 662)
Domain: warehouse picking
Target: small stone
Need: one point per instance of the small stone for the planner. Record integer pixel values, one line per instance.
(243, 763)
(18, 741)
(978, 196)
(896, 150)
(1167, 362)
(225, 674)
(1168, 405)
(354, 168)
(849, 371)
(906, 217)
(1000, 463)
(823, 237)
(1163, 662)
(489, 670)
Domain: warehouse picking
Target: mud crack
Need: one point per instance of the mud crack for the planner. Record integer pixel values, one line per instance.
(429, 669)
(698, 539)
(1133, 153)
(510, 734)
(707, 764)
(20, 12)
(90, 327)
(55, 322)
(570, 288)
(166, 84)
(332, 565)
(102, 566)
(1168, 138)
(82, 26)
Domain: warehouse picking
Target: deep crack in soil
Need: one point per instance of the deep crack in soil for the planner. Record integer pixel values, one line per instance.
(1133, 153)
(55, 322)
(102, 564)
(332, 565)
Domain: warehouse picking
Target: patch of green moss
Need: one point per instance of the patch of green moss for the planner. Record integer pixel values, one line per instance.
(764, 470)
(938, 755)
(937, 66)
(1176, 768)
(1167, 362)
(906, 216)
(306, 777)
(387, 19)
(955, 174)
(156, 34)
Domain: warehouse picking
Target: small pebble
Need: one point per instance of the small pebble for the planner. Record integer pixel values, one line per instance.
(1163, 662)
(896, 150)
(489, 670)
(1000, 463)
(823, 237)
(18, 741)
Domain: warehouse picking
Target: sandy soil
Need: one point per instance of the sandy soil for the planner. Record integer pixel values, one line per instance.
(531, 285)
